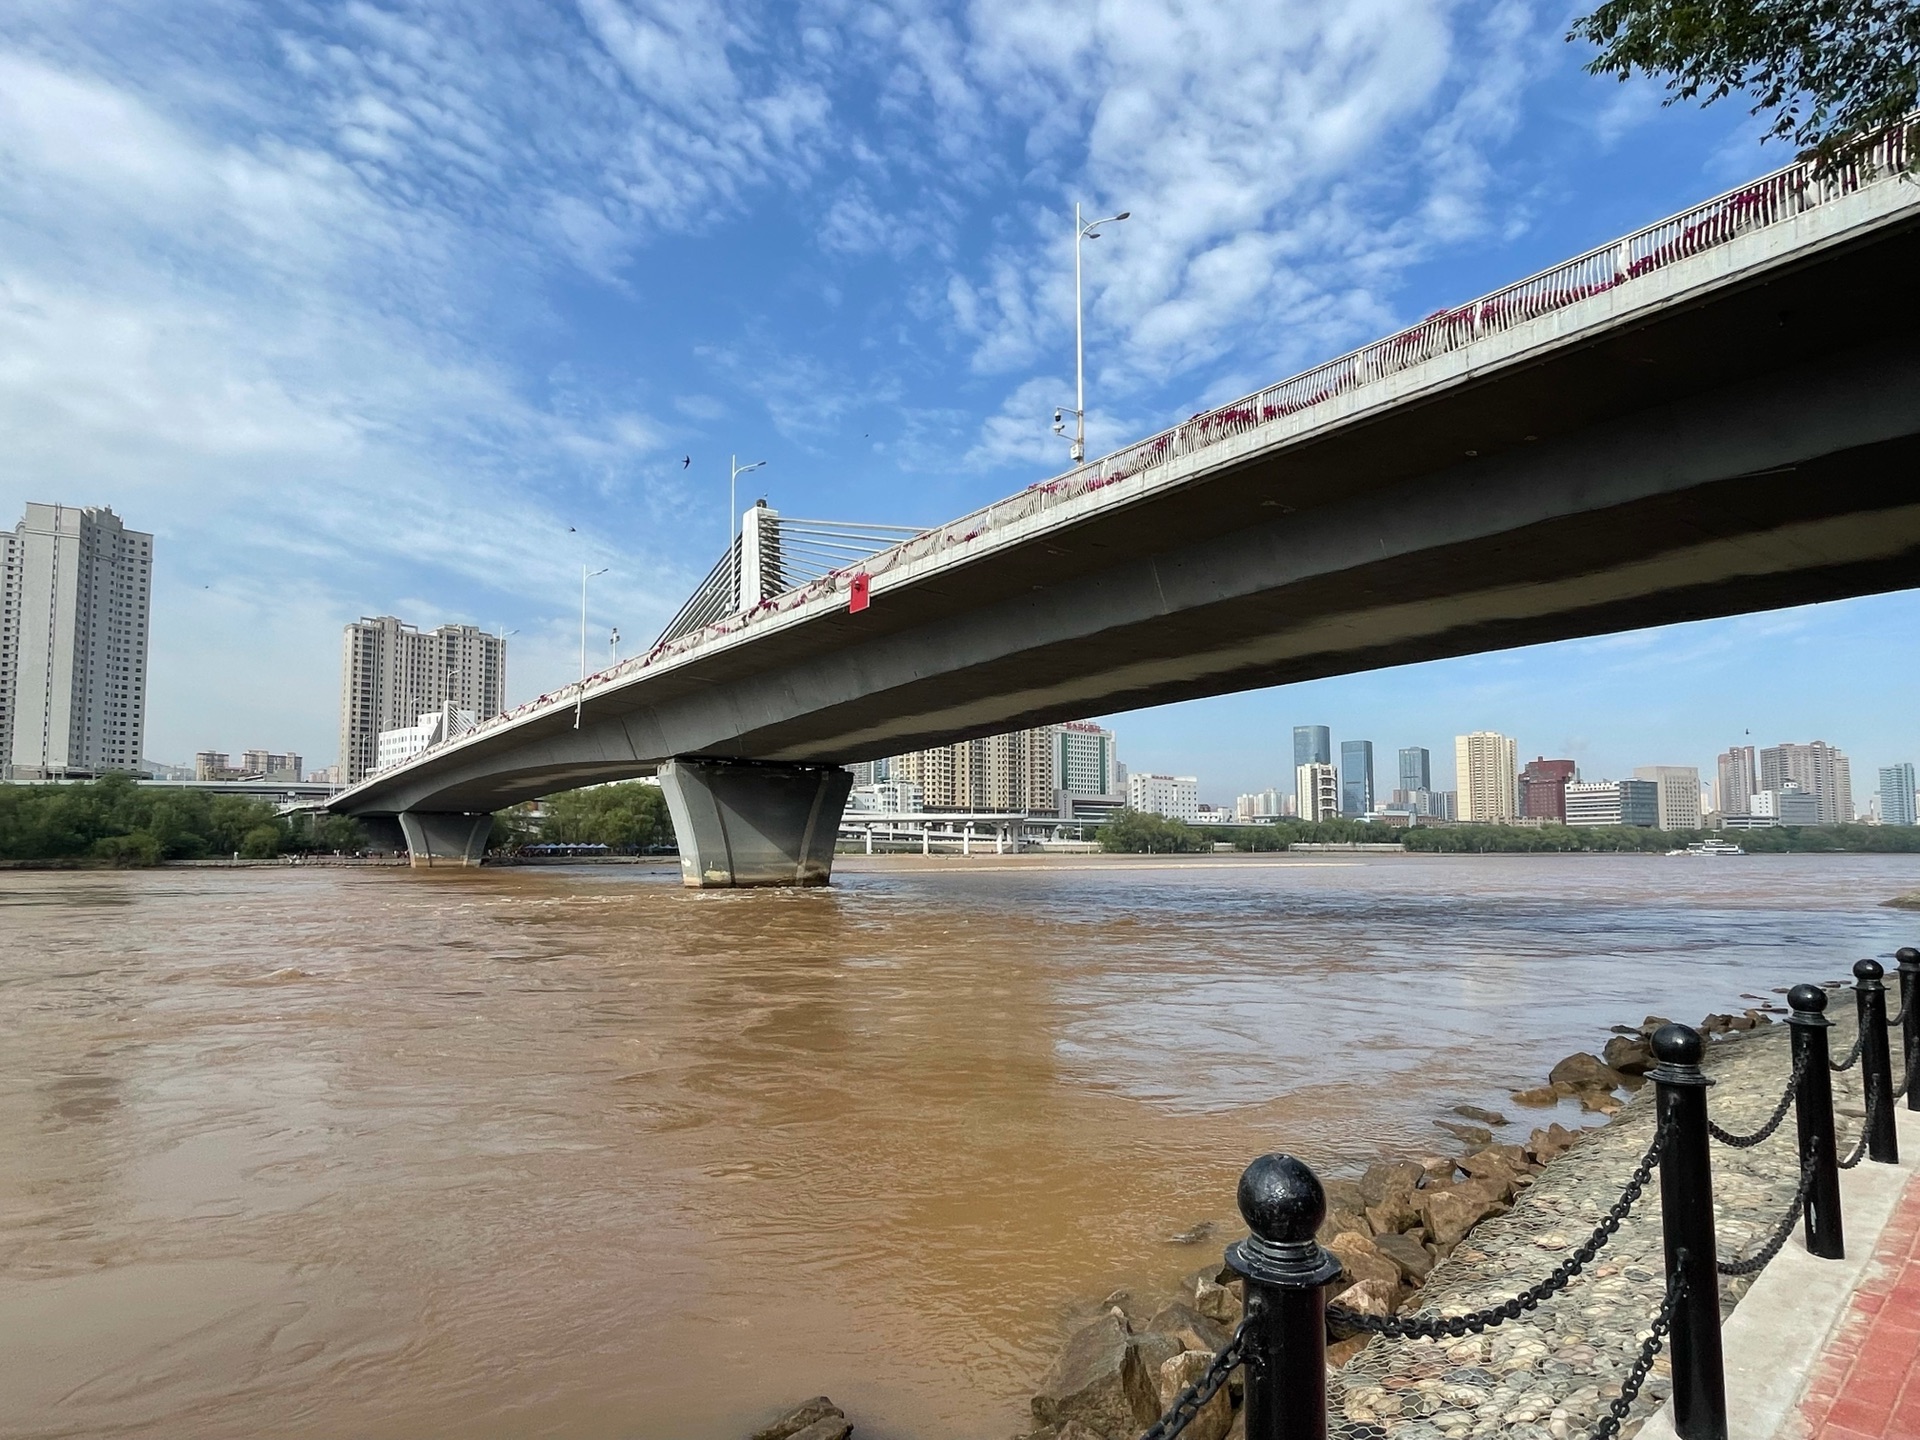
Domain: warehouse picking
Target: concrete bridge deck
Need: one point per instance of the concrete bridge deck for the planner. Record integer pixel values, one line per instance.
(1717, 415)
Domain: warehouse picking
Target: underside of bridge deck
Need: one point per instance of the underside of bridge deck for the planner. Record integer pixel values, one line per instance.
(1753, 447)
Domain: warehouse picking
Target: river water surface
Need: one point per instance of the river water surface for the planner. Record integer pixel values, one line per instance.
(576, 1152)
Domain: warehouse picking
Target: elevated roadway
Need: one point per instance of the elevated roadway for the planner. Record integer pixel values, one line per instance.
(1718, 414)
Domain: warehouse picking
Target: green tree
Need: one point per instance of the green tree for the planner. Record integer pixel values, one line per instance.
(630, 815)
(1826, 71)
(1136, 832)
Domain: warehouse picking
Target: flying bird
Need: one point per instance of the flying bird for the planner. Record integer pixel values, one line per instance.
(686, 462)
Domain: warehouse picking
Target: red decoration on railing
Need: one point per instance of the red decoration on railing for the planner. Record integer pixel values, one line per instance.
(859, 596)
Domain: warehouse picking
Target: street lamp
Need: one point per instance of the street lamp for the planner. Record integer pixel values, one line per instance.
(733, 519)
(1088, 230)
(580, 697)
(613, 644)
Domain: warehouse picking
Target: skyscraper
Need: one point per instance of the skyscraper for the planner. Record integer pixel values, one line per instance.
(1416, 769)
(1737, 781)
(1084, 759)
(1312, 745)
(1356, 777)
(391, 674)
(1818, 770)
(1017, 771)
(1896, 794)
(1484, 773)
(74, 590)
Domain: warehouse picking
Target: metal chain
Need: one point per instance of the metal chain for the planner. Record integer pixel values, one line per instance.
(1758, 1260)
(1901, 1018)
(1852, 1055)
(1866, 1133)
(1747, 1142)
(1192, 1400)
(1637, 1376)
(1434, 1327)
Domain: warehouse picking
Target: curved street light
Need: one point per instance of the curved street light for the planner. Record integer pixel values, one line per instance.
(1082, 230)
(733, 520)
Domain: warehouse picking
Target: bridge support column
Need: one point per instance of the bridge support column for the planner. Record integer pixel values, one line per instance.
(441, 838)
(744, 822)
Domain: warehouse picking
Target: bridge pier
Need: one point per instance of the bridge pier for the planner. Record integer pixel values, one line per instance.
(443, 838)
(745, 822)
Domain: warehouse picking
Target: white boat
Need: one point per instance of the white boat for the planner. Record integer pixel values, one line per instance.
(1710, 847)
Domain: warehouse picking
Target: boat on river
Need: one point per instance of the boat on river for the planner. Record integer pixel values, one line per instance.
(1710, 847)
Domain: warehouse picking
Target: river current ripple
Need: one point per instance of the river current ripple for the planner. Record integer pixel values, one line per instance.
(574, 1152)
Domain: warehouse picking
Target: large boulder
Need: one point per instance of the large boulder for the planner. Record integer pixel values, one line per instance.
(1414, 1261)
(1393, 1215)
(1217, 1302)
(804, 1418)
(829, 1427)
(1369, 1297)
(1551, 1142)
(1583, 1071)
(1452, 1210)
(1538, 1096)
(1213, 1419)
(1359, 1260)
(1192, 1329)
(1630, 1055)
(1389, 1179)
(1100, 1380)
(1468, 1134)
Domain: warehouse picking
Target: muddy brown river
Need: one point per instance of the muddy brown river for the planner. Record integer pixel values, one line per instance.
(575, 1152)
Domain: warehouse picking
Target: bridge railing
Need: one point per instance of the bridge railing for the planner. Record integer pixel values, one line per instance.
(1770, 200)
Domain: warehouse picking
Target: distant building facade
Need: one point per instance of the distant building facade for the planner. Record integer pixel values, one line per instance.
(1356, 777)
(1816, 769)
(1085, 759)
(1676, 795)
(75, 589)
(1312, 745)
(1897, 794)
(254, 765)
(1543, 789)
(1416, 769)
(1736, 779)
(1268, 804)
(399, 745)
(1177, 797)
(1614, 802)
(1316, 789)
(1484, 770)
(391, 674)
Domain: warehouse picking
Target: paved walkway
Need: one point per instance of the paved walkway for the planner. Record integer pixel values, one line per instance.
(1866, 1385)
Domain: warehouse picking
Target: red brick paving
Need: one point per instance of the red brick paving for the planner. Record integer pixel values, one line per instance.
(1866, 1386)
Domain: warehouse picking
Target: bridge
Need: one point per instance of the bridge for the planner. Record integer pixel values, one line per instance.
(1717, 414)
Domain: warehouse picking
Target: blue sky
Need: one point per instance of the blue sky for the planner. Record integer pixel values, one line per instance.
(415, 307)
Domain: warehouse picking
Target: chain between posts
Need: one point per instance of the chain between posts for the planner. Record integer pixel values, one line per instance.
(1757, 1261)
(1435, 1327)
(1643, 1364)
(1192, 1400)
(1747, 1142)
(1866, 1134)
(1852, 1056)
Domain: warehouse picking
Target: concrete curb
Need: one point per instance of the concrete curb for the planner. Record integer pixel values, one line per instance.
(1779, 1330)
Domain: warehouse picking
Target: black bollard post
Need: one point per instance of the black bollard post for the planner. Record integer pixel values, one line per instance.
(1286, 1273)
(1686, 1217)
(1909, 959)
(1813, 1111)
(1876, 1066)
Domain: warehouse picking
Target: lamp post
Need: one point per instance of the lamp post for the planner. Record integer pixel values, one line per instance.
(733, 519)
(1087, 230)
(613, 644)
(580, 696)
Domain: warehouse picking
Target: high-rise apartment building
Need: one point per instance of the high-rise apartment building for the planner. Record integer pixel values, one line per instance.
(1356, 777)
(1006, 773)
(1737, 780)
(1416, 769)
(1614, 802)
(1676, 795)
(75, 586)
(1316, 788)
(1312, 745)
(1268, 804)
(1484, 772)
(1543, 789)
(1896, 794)
(1818, 770)
(1177, 797)
(391, 674)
